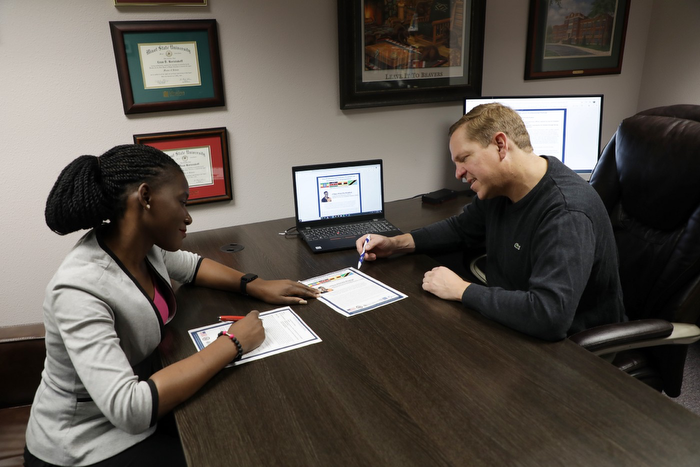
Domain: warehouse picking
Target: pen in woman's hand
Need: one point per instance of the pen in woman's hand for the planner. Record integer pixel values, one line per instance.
(230, 318)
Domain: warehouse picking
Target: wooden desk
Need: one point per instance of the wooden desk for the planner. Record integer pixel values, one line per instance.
(418, 382)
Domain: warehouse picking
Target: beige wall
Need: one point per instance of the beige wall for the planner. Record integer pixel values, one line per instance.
(61, 99)
(671, 69)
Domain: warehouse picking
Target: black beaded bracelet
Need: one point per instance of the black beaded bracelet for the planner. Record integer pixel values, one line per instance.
(235, 341)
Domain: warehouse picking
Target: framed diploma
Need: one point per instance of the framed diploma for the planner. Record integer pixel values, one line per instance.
(167, 65)
(203, 156)
(395, 52)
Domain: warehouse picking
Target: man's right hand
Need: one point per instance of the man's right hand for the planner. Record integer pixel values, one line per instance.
(380, 246)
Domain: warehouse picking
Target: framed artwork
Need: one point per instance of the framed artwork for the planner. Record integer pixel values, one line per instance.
(565, 39)
(395, 52)
(204, 158)
(167, 65)
(160, 2)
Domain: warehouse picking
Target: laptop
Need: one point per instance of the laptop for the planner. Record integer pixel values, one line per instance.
(336, 203)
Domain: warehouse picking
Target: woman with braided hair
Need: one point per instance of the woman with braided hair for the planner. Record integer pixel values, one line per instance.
(105, 308)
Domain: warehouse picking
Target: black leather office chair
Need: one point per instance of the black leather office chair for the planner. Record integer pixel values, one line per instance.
(649, 179)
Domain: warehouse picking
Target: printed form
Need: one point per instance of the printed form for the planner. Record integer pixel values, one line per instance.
(350, 292)
(284, 331)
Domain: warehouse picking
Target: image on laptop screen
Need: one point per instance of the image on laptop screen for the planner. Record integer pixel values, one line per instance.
(566, 127)
(338, 191)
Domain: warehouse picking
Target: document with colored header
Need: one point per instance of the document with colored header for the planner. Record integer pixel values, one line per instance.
(284, 331)
(350, 292)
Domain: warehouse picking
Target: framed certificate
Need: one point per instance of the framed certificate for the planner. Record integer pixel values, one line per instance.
(203, 157)
(395, 52)
(167, 65)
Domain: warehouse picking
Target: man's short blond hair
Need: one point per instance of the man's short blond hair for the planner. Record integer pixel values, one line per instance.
(485, 120)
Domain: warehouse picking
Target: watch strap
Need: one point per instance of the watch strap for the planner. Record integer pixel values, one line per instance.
(244, 282)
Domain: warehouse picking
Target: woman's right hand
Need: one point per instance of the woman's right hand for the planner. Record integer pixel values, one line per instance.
(249, 331)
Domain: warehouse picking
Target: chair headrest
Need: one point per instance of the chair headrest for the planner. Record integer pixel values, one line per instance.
(657, 156)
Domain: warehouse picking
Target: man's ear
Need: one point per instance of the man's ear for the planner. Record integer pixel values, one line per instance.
(501, 141)
(144, 195)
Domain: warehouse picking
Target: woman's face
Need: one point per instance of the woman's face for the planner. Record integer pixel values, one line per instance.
(168, 216)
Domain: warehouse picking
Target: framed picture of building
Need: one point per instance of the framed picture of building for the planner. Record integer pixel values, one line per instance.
(580, 38)
(395, 52)
(160, 2)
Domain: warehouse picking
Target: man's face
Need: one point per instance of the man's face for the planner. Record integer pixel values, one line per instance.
(476, 164)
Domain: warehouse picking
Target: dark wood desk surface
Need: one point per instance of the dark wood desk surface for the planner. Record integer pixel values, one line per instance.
(418, 382)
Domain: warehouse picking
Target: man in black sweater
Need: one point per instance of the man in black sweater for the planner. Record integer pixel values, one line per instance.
(552, 265)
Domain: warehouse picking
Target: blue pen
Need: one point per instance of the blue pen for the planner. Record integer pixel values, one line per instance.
(362, 255)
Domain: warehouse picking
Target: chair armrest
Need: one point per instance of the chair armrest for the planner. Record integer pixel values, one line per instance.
(477, 266)
(22, 354)
(611, 338)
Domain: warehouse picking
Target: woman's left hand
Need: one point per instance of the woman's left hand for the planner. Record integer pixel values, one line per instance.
(281, 292)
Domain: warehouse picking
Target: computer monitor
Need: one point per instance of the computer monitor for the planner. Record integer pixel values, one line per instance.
(566, 127)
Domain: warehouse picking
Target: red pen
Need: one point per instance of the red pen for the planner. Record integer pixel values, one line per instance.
(230, 318)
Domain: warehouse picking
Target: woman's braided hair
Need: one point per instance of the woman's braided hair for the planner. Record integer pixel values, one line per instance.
(91, 190)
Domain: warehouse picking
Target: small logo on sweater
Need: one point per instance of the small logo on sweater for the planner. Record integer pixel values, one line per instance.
(517, 246)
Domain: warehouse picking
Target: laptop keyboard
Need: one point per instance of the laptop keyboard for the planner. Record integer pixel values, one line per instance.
(359, 229)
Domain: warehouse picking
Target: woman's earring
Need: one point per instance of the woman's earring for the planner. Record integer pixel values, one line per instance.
(148, 206)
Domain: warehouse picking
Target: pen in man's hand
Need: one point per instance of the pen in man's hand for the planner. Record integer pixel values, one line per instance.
(362, 255)
(230, 318)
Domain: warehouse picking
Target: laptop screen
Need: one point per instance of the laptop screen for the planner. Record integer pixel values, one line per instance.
(338, 191)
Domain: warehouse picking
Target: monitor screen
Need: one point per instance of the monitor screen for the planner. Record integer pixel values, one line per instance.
(566, 127)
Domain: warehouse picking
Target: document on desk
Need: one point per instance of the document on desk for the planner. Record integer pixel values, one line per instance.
(284, 331)
(350, 292)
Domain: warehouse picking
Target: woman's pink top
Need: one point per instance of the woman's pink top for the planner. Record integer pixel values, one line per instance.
(160, 302)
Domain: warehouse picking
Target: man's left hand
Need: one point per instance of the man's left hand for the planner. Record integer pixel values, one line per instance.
(444, 283)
